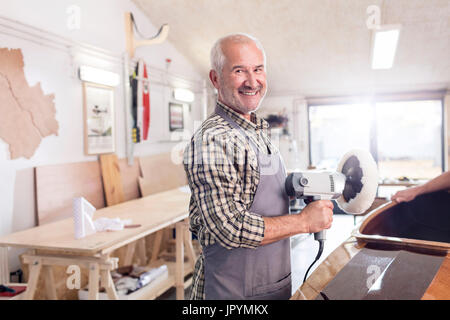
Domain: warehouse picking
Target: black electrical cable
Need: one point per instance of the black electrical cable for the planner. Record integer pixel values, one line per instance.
(319, 253)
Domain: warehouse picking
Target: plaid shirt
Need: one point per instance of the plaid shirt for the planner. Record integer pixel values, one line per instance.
(222, 171)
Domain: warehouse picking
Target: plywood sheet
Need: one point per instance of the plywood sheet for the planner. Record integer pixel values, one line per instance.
(160, 173)
(28, 115)
(112, 181)
(129, 176)
(57, 185)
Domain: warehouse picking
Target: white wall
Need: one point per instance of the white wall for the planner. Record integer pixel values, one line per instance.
(294, 106)
(102, 25)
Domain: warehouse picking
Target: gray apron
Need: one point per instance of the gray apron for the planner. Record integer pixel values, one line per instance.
(263, 273)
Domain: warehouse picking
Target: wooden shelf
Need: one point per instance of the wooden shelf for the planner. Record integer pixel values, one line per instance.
(152, 291)
(158, 286)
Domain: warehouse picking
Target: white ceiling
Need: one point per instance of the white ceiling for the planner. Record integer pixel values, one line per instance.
(317, 47)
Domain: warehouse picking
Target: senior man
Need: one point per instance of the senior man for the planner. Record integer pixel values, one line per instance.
(239, 209)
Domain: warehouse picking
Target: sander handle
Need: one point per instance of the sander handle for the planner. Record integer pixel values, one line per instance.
(321, 235)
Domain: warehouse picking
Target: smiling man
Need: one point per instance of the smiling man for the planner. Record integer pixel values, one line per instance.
(239, 209)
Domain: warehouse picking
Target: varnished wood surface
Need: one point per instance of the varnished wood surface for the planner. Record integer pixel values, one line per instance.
(439, 288)
(373, 217)
(112, 181)
(327, 270)
(152, 213)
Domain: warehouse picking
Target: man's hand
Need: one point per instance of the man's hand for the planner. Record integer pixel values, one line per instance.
(406, 195)
(318, 215)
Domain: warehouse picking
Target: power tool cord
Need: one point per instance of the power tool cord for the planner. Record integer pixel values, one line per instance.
(319, 253)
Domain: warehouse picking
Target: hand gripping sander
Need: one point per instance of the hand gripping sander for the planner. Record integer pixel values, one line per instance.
(353, 185)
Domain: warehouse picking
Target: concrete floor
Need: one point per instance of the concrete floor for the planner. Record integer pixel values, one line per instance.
(304, 250)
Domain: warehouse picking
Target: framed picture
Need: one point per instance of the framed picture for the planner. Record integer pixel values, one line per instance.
(99, 120)
(176, 119)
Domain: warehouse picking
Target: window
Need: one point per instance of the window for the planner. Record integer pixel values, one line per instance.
(405, 137)
(335, 129)
(409, 139)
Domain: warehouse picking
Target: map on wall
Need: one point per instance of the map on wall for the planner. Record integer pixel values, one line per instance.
(27, 115)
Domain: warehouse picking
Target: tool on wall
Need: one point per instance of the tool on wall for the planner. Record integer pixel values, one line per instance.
(353, 186)
(136, 93)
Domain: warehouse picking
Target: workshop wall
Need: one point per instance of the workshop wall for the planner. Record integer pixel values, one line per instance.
(295, 108)
(38, 28)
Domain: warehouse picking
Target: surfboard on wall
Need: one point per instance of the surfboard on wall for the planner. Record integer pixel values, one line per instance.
(141, 103)
(143, 100)
(146, 104)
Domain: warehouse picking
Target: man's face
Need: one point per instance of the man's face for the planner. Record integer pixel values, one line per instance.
(242, 85)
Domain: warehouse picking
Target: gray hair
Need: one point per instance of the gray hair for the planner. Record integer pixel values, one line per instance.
(218, 58)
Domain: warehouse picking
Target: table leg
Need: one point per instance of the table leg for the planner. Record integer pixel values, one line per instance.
(34, 271)
(50, 288)
(179, 270)
(157, 245)
(4, 267)
(189, 247)
(141, 251)
(93, 281)
(129, 254)
(108, 284)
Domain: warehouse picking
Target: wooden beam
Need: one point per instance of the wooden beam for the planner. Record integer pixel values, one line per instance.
(50, 288)
(179, 269)
(33, 278)
(129, 36)
(93, 281)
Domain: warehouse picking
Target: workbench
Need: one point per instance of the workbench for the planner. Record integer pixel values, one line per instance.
(93, 252)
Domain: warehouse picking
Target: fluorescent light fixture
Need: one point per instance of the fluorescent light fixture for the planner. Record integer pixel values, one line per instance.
(184, 95)
(384, 46)
(99, 76)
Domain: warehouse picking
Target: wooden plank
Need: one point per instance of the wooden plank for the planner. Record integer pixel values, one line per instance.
(58, 185)
(129, 176)
(68, 260)
(160, 173)
(35, 270)
(439, 288)
(156, 245)
(112, 181)
(108, 284)
(166, 207)
(327, 270)
(188, 245)
(179, 278)
(141, 251)
(50, 288)
(94, 274)
(152, 291)
(4, 267)
(129, 254)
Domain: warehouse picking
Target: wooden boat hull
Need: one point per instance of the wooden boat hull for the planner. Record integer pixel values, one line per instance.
(399, 251)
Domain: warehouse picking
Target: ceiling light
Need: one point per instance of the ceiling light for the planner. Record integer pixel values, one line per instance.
(99, 76)
(184, 95)
(384, 46)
